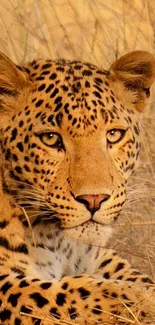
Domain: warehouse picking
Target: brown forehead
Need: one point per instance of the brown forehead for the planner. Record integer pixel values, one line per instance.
(72, 78)
(71, 69)
(75, 91)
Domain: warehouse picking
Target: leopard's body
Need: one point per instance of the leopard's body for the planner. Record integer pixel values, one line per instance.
(70, 138)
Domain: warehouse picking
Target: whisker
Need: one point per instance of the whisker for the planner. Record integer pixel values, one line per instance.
(32, 212)
(32, 203)
(30, 196)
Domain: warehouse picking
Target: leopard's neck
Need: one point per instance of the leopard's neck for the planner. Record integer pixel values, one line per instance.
(56, 255)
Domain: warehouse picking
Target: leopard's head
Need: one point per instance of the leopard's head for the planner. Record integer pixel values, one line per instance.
(70, 138)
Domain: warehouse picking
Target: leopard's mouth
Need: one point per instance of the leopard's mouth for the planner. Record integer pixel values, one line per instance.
(91, 222)
(53, 218)
(86, 223)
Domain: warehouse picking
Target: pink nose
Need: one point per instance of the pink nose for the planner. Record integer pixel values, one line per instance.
(92, 202)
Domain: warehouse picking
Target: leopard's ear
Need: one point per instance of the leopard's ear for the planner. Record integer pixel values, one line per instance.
(12, 78)
(136, 72)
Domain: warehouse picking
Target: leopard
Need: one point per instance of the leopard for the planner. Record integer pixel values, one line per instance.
(70, 137)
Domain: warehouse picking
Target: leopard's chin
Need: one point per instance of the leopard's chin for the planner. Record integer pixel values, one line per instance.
(90, 233)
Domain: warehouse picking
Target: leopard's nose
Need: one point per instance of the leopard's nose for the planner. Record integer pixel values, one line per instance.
(92, 202)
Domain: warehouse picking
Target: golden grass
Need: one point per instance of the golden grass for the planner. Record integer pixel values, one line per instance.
(131, 319)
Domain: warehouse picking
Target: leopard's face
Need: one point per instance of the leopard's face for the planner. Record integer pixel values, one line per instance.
(69, 148)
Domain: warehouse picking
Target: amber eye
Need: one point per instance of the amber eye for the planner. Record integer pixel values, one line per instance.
(50, 139)
(115, 135)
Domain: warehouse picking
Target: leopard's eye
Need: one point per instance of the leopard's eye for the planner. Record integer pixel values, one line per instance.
(115, 135)
(50, 139)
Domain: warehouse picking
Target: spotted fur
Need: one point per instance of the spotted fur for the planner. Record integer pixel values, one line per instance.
(70, 139)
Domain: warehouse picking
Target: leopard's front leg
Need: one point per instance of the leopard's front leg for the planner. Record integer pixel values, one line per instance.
(84, 298)
(110, 265)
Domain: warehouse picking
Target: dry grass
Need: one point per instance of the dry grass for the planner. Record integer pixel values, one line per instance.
(131, 319)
